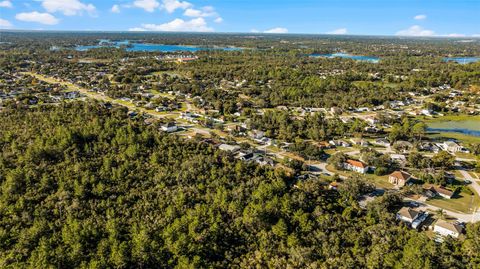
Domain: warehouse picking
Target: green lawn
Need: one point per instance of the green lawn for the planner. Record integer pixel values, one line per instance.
(460, 137)
(452, 117)
(464, 202)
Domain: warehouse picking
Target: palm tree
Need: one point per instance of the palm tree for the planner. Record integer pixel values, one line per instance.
(441, 214)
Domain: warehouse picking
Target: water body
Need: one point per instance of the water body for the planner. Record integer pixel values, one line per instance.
(105, 43)
(462, 60)
(468, 127)
(371, 59)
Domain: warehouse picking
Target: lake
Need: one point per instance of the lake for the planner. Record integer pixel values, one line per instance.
(462, 60)
(371, 59)
(104, 43)
(468, 127)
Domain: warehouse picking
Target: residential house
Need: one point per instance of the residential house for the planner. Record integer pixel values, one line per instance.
(399, 158)
(324, 145)
(72, 95)
(382, 142)
(407, 214)
(403, 146)
(426, 112)
(336, 111)
(433, 190)
(451, 146)
(170, 127)
(264, 161)
(412, 217)
(399, 178)
(257, 134)
(333, 186)
(359, 142)
(444, 228)
(245, 155)
(229, 148)
(356, 166)
(339, 143)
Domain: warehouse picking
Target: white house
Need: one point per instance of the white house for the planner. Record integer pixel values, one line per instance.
(451, 146)
(382, 142)
(356, 166)
(230, 148)
(406, 214)
(444, 228)
(169, 127)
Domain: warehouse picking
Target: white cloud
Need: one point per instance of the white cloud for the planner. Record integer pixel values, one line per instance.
(476, 35)
(115, 9)
(68, 7)
(43, 18)
(277, 30)
(207, 11)
(6, 3)
(137, 29)
(340, 31)
(456, 35)
(4, 24)
(415, 30)
(254, 31)
(148, 5)
(171, 5)
(420, 17)
(218, 20)
(177, 25)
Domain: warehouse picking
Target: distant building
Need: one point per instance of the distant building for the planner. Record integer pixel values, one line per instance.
(359, 142)
(339, 143)
(399, 178)
(333, 186)
(336, 110)
(229, 148)
(169, 127)
(324, 145)
(451, 146)
(444, 228)
(399, 158)
(356, 166)
(382, 142)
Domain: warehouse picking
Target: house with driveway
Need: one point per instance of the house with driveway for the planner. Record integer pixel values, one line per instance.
(444, 228)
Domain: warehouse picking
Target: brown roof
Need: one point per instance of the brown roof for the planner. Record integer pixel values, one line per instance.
(449, 226)
(408, 212)
(401, 175)
(356, 163)
(444, 191)
(438, 189)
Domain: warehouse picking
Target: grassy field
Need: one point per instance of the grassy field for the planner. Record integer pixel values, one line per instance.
(460, 137)
(451, 118)
(463, 202)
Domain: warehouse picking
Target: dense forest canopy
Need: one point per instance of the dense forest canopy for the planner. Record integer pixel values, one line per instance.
(86, 186)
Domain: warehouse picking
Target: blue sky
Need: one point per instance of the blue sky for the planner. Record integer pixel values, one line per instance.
(356, 17)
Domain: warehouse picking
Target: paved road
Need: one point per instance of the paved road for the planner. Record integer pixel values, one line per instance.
(469, 177)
